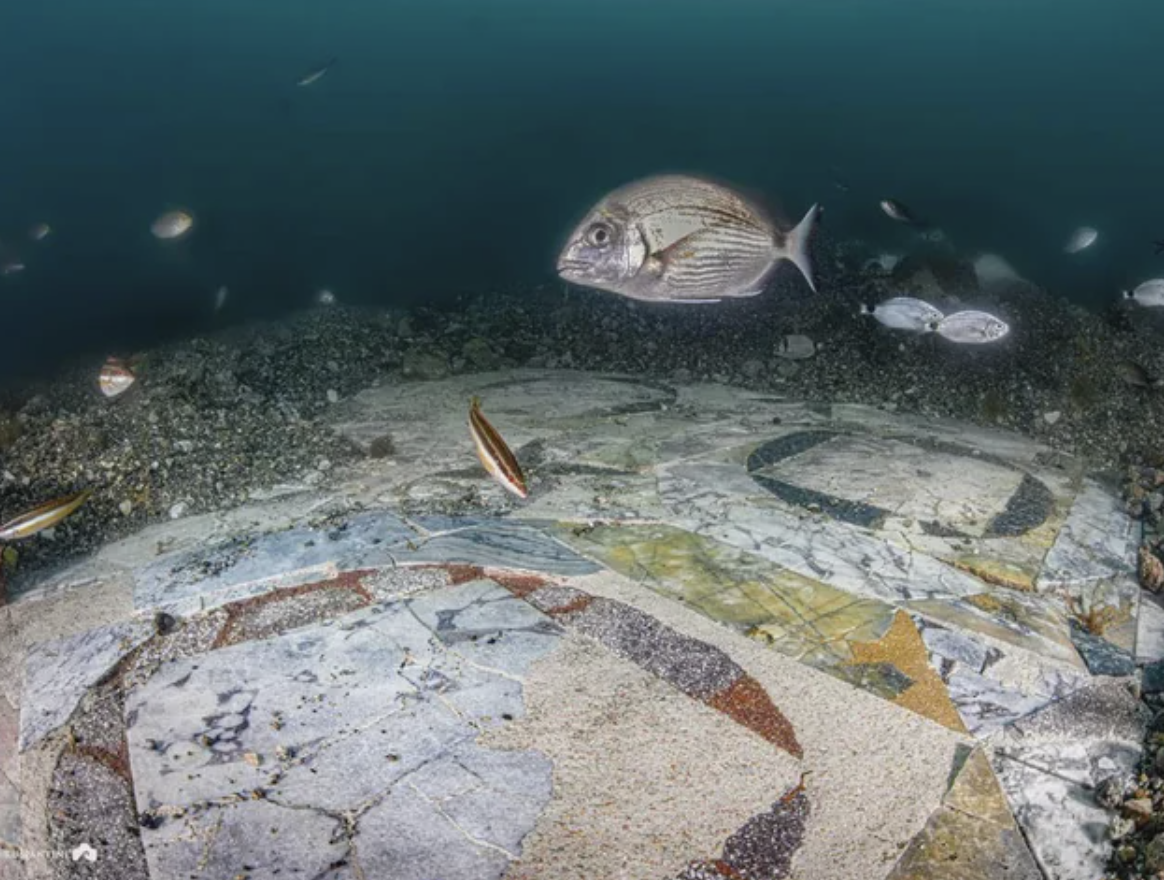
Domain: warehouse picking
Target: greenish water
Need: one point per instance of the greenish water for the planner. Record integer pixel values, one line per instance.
(455, 143)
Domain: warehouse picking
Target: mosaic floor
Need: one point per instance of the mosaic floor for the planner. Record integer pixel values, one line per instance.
(727, 636)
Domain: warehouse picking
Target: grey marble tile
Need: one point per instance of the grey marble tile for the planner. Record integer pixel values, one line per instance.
(252, 565)
(1150, 629)
(10, 821)
(58, 674)
(1097, 541)
(1062, 824)
(381, 707)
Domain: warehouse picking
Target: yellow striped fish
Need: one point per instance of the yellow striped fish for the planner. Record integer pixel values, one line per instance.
(681, 239)
(495, 455)
(43, 517)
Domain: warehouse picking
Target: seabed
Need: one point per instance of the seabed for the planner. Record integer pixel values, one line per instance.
(729, 635)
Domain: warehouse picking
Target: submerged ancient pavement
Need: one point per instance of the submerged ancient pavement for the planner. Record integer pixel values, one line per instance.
(728, 636)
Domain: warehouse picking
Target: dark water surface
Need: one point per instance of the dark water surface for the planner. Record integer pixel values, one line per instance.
(455, 142)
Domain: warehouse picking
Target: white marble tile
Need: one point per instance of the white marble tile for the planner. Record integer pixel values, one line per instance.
(58, 674)
(1150, 629)
(1096, 542)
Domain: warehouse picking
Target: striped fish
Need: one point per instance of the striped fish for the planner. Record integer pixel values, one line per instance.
(681, 239)
(495, 455)
(115, 378)
(44, 517)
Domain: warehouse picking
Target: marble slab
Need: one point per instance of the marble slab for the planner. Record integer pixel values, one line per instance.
(1097, 542)
(378, 713)
(251, 565)
(1051, 762)
(58, 674)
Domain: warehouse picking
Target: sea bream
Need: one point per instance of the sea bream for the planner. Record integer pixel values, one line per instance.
(1150, 293)
(674, 238)
(315, 75)
(972, 327)
(905, 313)
(172, 225)
(895, 210)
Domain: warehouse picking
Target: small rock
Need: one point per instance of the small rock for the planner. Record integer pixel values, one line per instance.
(1110, 792)
(332, 395)
(752, 368)
(126, 507)
(681, 374)
(1051, 417)
(788, 369)
(178, 510)
(1138, 808)
(795, 347)
(1154, 854)
(164, 623)
(478, 352)
(425, 364)
(186, 446)
(382, 447)
(1151, 571)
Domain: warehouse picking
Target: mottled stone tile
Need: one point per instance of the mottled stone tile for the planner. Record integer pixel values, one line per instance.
(249, 838)
(1150, 630)
(382, 706)
(1065, 829)
(955, 846)
(1100, 655)
(903, 648)
(763, 849)
(1097, 541)
(57, 674)
(498, 543)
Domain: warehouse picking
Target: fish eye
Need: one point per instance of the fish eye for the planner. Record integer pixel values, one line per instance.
(599, 234)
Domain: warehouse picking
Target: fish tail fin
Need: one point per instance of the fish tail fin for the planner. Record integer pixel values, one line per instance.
(863, 309)
(1126, 294)
(796, 245)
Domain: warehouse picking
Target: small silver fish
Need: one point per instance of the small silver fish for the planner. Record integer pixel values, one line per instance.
(1081, 239)
(494, 453)
(172, 225)
(972, 327)
(905, 313)
(220, 296)
(325, 298)
(674, 238)
(14, 267)
(897, 211)
(317, 74)
(43, 517)
(40, 232)
(795, 347)
(115, 378)
(1150, 293)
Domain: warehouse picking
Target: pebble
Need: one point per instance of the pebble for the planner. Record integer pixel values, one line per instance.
(178, 510)
(126, 507)
(1138, 808)
(332, 395)
(1051, 417)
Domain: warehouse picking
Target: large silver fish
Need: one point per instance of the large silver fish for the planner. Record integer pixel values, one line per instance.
(1150, 293)
(905, 313)
(972, 327)
(681, 239)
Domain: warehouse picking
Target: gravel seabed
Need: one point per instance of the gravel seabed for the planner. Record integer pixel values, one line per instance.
(214, 420)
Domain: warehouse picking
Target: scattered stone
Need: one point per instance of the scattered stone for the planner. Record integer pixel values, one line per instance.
(1154, 854)
(126, 507)
(1151, 570)
(1052, 417)
(1138, 808)
(480, 354)
(332, 395)
(178, 510)
(382, 447)
(425, 364)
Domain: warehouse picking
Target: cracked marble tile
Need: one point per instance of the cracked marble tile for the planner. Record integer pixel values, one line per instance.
(1097, 542)
(343, 718)
(59, 673)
